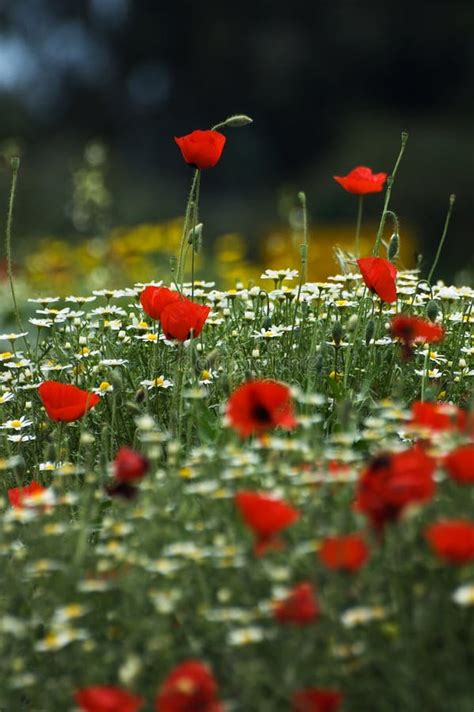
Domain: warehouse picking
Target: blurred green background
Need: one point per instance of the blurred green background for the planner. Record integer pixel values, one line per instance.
(92, 93)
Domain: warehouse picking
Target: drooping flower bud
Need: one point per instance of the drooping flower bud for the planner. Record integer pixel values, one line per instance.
(432, 310)
(393, 247)
(337, 332)
(369, 331)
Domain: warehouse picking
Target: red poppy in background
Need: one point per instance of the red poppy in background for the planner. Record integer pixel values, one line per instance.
(316, 699)
(452, 540)
(17, 495)
(257, 406)
(202, 149)
(183, 319)
(348, 553)
(106, 698)
(155, 299)
(379, 276)
(438, 416)
(66, 402)
(410, 330)
(130, 465)
(391, 482)
(266, 516)
(460, 464)
(190, 687)
(300, 607)
(361, 181)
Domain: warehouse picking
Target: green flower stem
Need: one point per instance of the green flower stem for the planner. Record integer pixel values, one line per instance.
(360, 204)
(15, 166)
(184, 236)
(388, 192)
(452, 199)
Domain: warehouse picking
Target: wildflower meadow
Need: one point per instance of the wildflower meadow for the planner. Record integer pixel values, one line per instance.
(247, 499)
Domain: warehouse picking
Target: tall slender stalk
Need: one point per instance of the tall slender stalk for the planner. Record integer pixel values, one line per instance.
(388, 192)
(452, 200)
(15, 165)
(184, 236)
(360, 203)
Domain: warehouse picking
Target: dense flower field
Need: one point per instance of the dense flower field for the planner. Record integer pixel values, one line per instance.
(248, 500)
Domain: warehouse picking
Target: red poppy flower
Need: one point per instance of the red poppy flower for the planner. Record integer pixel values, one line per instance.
(460, 464)
(183, 319)
(266, 516)
(106, 698)
(393, 481)
(202, 149)
(347, 553)
(130, 465)
(65, 402)
(17, 495)
(188, 688)
(379, 276)
(299, 607)
(315, 699)
(438, 416)
(361, 181)
(452, 540)
(155, 299)
(410, 330)
(257, 406)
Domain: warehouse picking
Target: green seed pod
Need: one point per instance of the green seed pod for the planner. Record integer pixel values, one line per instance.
(369, 331)
(432, 310)
(337, 332)
(393, 247)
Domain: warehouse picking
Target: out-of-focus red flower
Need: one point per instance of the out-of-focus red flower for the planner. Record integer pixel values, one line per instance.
(66, 402)
(316, 699)
(106, 698)
(155, 299)
(460, 464)
(380, 277)
(183, 319)
(266, 516)
(300, 606)
(190, 687)
(202, 149)
(452, 540)
(17, 495)
(348, 553)
(438, 416)
(257, 406)
(391, 482)
(129, 465)
(361, 181)
(410, 330)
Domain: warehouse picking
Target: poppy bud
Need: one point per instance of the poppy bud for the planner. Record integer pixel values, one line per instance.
(236, 121)
(432, 310)
(337, 333)
(194, 235)
(393, 247)
(15, 163)
(267, 323)
(369, 331)
(140, 395)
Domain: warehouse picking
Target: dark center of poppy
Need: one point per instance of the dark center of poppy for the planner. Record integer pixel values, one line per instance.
(261, 414)
(381, 462)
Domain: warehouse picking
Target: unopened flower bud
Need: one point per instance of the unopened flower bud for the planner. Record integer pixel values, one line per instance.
(236, 121)
(393, 247)
(369, 331)
(337, 332)
(15, 163)
(432, 310)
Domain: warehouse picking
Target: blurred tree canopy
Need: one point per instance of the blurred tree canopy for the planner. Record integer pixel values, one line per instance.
(330, 85)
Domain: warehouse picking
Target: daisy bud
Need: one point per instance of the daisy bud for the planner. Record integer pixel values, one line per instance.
(337, 333)
(393, 247)
(432, 310)
(369, 331)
